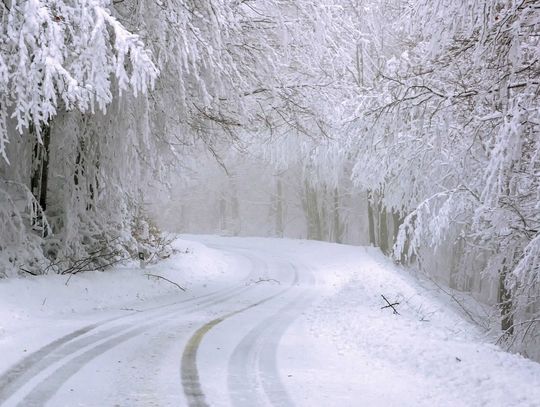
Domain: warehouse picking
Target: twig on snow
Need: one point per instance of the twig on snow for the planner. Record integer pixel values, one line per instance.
(390, 305)
(131, 309)
(166, 279)
(28, 271)
(458, 302)
(264, 280)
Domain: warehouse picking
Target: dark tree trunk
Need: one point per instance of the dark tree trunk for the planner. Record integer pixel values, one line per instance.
(383, 229)
(397, 220)
(311, 210)
(40, 174)
(505, 304)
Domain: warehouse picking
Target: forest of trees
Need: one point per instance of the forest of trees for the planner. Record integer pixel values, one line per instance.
(411, 126)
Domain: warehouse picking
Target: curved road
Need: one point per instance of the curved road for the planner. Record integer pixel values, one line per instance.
(216, 349)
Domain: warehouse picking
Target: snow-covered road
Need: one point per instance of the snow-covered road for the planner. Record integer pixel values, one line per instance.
(234, 355)
(282, 323)
(227, 336)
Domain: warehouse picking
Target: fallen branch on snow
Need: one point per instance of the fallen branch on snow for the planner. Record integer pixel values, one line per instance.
(131, 309)
(390, 305)
(166, 279)
(265, 280)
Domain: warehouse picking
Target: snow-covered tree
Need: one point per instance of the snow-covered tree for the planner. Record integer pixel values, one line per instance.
(57, 59)
(453, 119)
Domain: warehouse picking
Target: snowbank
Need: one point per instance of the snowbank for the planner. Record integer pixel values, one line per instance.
(427, 355)
(37, 310)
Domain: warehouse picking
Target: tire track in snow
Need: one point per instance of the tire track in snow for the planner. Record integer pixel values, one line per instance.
(23, 367)
(61, 351)
(69, 364)
(253, 363)
(189, 371)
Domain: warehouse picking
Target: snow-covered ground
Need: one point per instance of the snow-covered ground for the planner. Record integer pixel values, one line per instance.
(35, 311)
(263, 322)
(428, 355)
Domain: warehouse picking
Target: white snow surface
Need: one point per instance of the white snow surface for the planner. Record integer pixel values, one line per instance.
(304, 326)
(37, 310)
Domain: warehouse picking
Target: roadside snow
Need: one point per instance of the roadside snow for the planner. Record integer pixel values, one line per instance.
(37, 310)
(428, 355)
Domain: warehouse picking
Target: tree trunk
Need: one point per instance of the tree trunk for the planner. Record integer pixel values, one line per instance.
(235, 207)
(455, 271)
(338, 227)
(397, 220)
(311, 210)
(40, 174)
(383, 229)
(279, 208)
(371, 220)
(222, 214)
(504, 301)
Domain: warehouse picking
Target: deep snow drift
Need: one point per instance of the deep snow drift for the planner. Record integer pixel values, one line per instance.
(336, 347)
